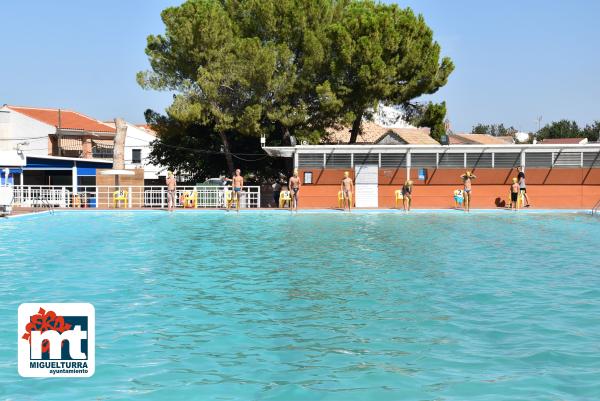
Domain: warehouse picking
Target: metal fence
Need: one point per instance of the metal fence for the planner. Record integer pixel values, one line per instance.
(108, 197)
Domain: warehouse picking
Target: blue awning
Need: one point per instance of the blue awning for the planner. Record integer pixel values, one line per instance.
(41, 163)
(87, 167)
(85, 171)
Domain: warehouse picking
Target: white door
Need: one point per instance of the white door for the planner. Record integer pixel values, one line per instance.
(365, 183)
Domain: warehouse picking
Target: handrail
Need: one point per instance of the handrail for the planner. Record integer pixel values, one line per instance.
(46, 204)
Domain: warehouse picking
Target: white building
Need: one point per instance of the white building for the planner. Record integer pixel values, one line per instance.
(54, 133)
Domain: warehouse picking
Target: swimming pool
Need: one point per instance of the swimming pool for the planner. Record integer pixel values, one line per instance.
(314, 306)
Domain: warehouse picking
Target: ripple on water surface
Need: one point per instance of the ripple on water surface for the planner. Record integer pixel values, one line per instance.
(265, 306)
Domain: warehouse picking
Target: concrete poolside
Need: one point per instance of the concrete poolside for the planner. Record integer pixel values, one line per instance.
(21, 211)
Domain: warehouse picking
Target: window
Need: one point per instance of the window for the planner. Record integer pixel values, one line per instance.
(308, 177)
(479, 160)
(539, 159)
(393, 160)
(452, 160)
(423, 160)
(366, 158)
(591, 159)
(136, 156)
(310, 160)
(507, 160)
(567, 159)
(339, 160)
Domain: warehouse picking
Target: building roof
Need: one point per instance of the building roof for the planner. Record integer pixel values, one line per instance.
(565, 141)
(372, 133)
(143, 127)
(478, 139)
(69, 120)
(146, 128)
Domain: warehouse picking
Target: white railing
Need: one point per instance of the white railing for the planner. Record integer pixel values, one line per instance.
(26, 195)
(108, 197)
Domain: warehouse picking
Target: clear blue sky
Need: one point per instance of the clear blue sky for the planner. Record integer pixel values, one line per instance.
(515, 60)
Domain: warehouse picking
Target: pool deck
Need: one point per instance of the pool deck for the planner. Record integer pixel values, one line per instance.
(19, 211)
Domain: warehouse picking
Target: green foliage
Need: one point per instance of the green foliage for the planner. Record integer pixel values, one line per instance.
(245, 68)
(493, 129)
(195, 149)
(560, 129)
(570, 129)
(592, 131)
(382, 53)
(431, 115)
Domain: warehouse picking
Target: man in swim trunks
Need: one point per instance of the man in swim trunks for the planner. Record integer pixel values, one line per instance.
(514, 194)
(347, 188)
(171, 187)
(294, 185)
(523, 187)
(467, 181)
(238, 184)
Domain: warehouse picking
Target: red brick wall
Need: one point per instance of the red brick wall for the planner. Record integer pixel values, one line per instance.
(547, 188)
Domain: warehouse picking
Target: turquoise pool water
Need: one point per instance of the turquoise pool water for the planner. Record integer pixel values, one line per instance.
(270, 306)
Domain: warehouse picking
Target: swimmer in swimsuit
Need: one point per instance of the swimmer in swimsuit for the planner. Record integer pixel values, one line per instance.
(467, 181)
(171, 187)
(407, 195)
(347, 188)
(238, 184)
(515, 190)
(295, 185)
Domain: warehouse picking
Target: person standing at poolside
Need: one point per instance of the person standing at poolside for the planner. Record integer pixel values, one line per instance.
(347, 188)
(295, 185)
(407, 195)
(171, 188)
(276, 191)
(467, 178)
(515, 190)
(523, 187)
(238, 184)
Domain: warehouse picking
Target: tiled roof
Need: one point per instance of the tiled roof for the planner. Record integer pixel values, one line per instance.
(372, 132)
(479, 139)
(565, 141)
(146, 128)
(70, 120)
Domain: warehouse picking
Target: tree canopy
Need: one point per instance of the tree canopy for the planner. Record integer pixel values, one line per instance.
(493, 129)
(431, 115)
(245, 68)
(570, 129)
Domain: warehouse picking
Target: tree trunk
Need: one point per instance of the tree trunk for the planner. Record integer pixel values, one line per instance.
(356, 128)
(228, 156)
(119, 149)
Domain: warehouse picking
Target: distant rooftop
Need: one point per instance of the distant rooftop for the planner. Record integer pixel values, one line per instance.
(565, 141)
(479, 139)
(69, 120)
(374, 133)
